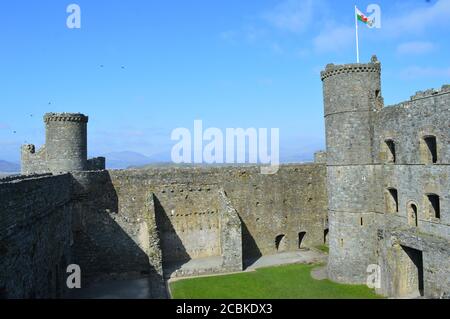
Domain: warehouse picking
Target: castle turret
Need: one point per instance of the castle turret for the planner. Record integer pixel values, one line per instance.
(352, 94)
(65, 148)
(66, 141)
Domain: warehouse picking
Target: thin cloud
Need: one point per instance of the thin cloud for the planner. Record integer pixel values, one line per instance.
(294, 15)
(276, 48)
(289, 16)
(415, 48)
(415, 72)
(253, 33)
(418, 20)
(334, 39)
(229, 35)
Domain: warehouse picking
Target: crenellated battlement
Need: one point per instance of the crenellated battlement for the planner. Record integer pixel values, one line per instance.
(332, 69)
(420, 95)
(431, 92)
(28, 149)
(66, 117)
(349, 68)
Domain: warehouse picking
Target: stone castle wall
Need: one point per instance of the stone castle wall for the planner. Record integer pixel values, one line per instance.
(35, 236)
(33, 162)
(185, 208)
(115, 236)
(384, 181)
(134, 223)
(379, 175)
(414, 177)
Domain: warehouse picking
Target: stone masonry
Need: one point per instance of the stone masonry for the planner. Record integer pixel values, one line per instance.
(388, 183)
(65, 148)
(381, 192)
(135, 223)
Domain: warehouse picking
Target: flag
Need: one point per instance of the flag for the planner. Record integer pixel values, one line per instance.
(363, 18)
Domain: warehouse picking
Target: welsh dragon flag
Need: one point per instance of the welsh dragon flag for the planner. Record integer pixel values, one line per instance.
(363, 18)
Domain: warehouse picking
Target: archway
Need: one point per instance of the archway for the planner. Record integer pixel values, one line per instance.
(301, 237)
(410, 281)
(280, 243)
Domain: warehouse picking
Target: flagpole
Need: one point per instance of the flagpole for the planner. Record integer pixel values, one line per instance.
(357, 37)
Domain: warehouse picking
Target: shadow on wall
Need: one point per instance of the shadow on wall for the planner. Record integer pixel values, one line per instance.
(174, 254)
(102, 245)
(250, 250)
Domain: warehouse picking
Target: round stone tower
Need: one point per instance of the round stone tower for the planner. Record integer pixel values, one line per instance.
(66, 142)
(352, 94)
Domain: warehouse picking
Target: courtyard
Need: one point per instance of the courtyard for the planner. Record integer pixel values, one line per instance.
(293, 281)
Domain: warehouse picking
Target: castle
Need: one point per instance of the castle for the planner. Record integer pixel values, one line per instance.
(379, 196)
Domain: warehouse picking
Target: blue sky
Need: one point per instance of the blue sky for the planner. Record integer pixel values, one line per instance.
(229, 63)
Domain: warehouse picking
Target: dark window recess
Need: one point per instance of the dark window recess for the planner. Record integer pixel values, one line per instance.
(301, 236)
(392, 200)
(413, 217)
(430, 142)
(434, 205)
(390, 145)
(278, 241)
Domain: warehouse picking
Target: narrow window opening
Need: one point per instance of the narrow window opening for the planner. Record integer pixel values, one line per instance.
(413, 218)
(392, 200)
(430, 149)
(280, 242)
(301, 237)
(390, 149)
(434, 206)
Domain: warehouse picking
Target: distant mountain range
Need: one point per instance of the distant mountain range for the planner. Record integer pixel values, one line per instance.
(9, 167)
(129, 159)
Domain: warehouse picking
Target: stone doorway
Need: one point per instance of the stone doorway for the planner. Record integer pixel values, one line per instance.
(301, 237)
(410, 273)
(280, 243)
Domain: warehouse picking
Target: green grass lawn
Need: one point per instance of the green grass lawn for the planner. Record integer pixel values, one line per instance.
(324, 248)
(282, 282)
